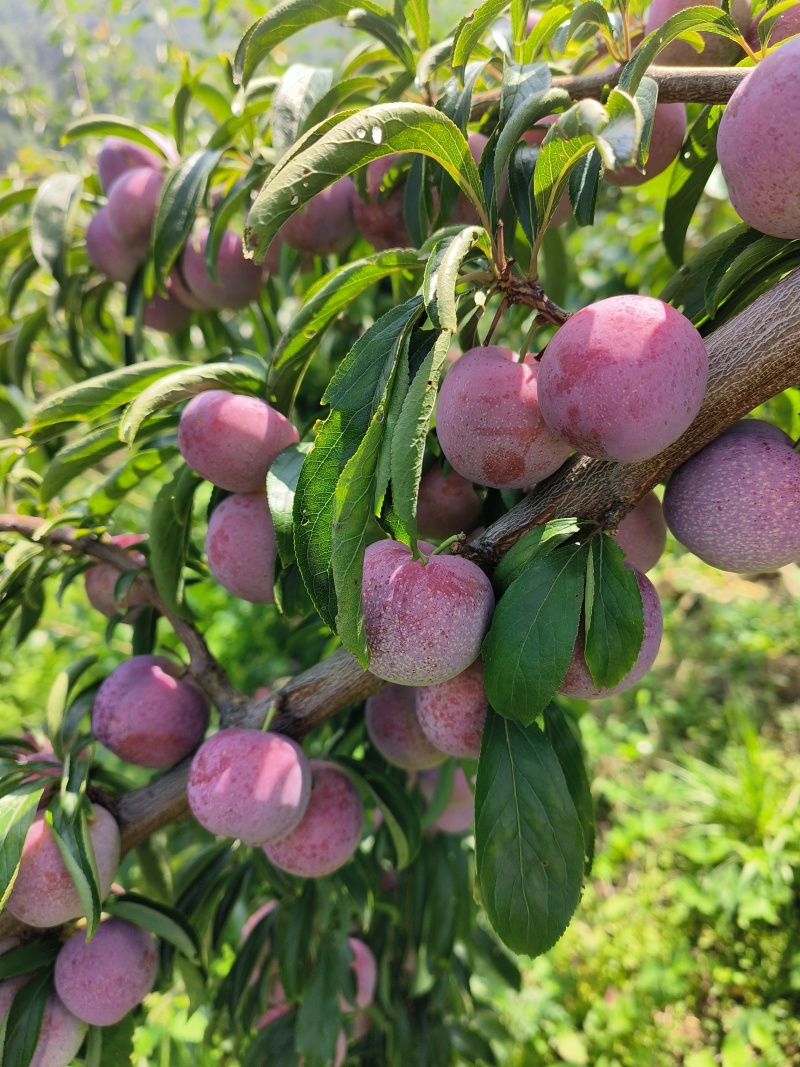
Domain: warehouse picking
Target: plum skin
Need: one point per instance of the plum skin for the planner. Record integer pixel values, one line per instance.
(446, 504)
(452, 714)
(132, 205)
(240, 279)
(459, 814)
(62, 1033)
(736, 502)
(249, 785)
(102, 578)
(758, 144)
(43, 893)
(489, 422)
(107, 252)
(146, 715)
(394, 729)
(101, 980)
(330, 831)
(718, 50)
(424, 622)
(325, 224)
(669, 130)
(623, 378)
(241, 547)
(642, 534)
(232, 440)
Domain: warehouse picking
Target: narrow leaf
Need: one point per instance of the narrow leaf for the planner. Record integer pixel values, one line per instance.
(471, 28)
(295, 95)
(690, 174)
(52, 218)
(561, 732)
(170, 531)
(181, 196)
(281, 484)
(17, 812)
(165, 922)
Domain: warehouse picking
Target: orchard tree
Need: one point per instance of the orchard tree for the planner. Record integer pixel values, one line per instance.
(246, 322)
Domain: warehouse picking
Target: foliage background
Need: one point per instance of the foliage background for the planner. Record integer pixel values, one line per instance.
(686, 946)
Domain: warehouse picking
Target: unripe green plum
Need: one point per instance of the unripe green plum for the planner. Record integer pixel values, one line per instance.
(736, 502)
(718, 51)
(459, 814)
(424, 622)
(250, 785)
(642, 534)
(452, 713)
(107, 253)
(669, 130)
(232, 440)
(446, 504)
(381, 219)
(240, 280)
(758, 144)
(147, 715)
(61, 1034)
(325, 224)
(489, 423)
(101, 581)
(393, 728)
(43, 893)
(623, 378)
(578, 682)
(101, 980)
(241, 548)
(330, 831)
(132, 205)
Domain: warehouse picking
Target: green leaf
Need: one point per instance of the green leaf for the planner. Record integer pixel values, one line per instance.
(354, 394)
(526, 95)
(689, 177)
(28, 330)
(182, 194)
(17, 812)
(281, 484)
(324, 301)
(556, 160)
(58, 699)
(118, 1042)
(471, 28)
(29, 956)
(170, 533)
(620, 138)
(318, 1017)
(392, 799)
(614, 616)
(584, 182)
(441, 274)
(283, 22)
(53, 214)
(529, 645)
(367, 135)
(113, 126)
(384, 30)
(533, 544)
(125, 478)
(183, 384)
(520, 185)
(497, 958)
(418, 19)
(592, 13)
(750, 251)
(300, 88)
(544, 30)
(226, 209)
(165, 922)
(78, 456)
(92, 399)
(71, 835)
(563, 734)
(23, 1022)
(528, 840)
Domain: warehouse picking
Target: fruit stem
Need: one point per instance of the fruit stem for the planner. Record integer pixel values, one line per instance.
(445, 544)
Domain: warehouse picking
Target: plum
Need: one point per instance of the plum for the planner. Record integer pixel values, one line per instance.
(43, 893)
(459, 814)
(232, 440)
(132, 205)
(424, 621)
(623, 378)
(240, 280)
(117, 156)
(718, 50)
(452, 713)
(330, 831)
(446, 504)
(758, 144)
(101, 581)
(107, 253)
(381, 219)
(61, 1034)
(393, 728)
(669, 130)
(166, 313)
(147, 715)
(578, 682)
(787, 24)
(642, 534)
(366, 972)
(489, 423)
(736, 502)
(250, 785)
(241, 549)
(101, 980)
(325, 224)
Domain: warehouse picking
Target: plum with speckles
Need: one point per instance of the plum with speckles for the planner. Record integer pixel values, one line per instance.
(248, 784)
(393, 728)
(452, 713)
(101, 980)
(489, 422)
(101, 581)
(669, 130)
(578, 682)
(232, 440)
(325, 224)
(642, 534)
(736, 502)
(112, 257)
(447, 504)
(132, 205)
(62, 1033)
(43, 893)
(758, 144)
(147, 715)
(381, 219)
(241, 549)
(240, 279)
(459, 814)
(718, 51)
(623, 378)
(424, 621)
(330, 831)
